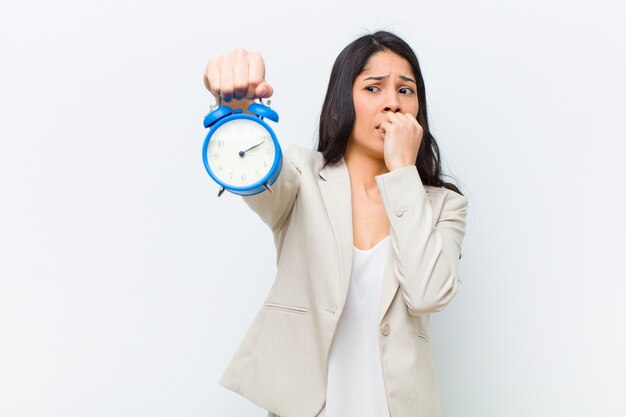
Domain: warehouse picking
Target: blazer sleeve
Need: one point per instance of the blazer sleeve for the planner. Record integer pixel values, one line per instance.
(426, 254)
(274, 207)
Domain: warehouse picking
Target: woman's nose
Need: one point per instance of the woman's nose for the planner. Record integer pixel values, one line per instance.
(392, 103)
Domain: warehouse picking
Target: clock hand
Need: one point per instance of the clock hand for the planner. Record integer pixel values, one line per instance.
(242, 153)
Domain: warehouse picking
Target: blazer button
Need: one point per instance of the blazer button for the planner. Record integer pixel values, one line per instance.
(386, 329)
(400, 212)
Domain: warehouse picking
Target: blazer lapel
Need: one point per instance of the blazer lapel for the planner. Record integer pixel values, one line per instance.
(334, 183)
(390, 285)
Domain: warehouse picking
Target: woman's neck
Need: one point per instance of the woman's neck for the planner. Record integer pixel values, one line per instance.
(363, 168)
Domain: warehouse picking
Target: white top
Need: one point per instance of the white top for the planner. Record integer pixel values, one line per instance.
(355, 376)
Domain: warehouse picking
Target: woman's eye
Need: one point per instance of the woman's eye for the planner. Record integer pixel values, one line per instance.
(410, 90)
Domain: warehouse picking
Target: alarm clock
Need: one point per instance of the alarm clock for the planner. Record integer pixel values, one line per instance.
(240, 151)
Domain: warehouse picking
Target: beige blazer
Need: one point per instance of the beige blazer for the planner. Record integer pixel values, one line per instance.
(281, 364)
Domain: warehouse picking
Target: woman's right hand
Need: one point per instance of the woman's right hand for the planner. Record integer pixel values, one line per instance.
(238, 74)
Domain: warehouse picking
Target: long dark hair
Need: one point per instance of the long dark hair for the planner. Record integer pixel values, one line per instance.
(337, 117)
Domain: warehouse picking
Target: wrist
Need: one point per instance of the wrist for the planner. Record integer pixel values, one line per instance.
(398, 165)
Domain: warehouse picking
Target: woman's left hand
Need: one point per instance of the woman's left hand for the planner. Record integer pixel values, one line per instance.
(403, 136)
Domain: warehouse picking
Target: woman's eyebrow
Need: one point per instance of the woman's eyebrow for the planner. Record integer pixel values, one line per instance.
(382, 77)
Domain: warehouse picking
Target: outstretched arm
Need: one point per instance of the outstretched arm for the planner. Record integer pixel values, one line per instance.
(240, 75)
(274, 207)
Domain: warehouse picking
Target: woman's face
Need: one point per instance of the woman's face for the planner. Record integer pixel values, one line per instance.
(386, 84)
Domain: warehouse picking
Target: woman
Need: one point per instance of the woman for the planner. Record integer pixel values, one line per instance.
(368, 240)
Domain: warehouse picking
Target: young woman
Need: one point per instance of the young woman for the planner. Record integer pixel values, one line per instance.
(368, 239)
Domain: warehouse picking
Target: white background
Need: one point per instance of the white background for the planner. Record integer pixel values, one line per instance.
(126, 285)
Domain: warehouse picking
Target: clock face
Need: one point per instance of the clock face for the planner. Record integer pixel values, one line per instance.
(241, 152)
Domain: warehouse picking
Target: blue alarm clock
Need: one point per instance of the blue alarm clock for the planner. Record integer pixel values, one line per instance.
(241, 152)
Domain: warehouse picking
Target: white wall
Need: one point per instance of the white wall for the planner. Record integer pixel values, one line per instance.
(126, 285)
